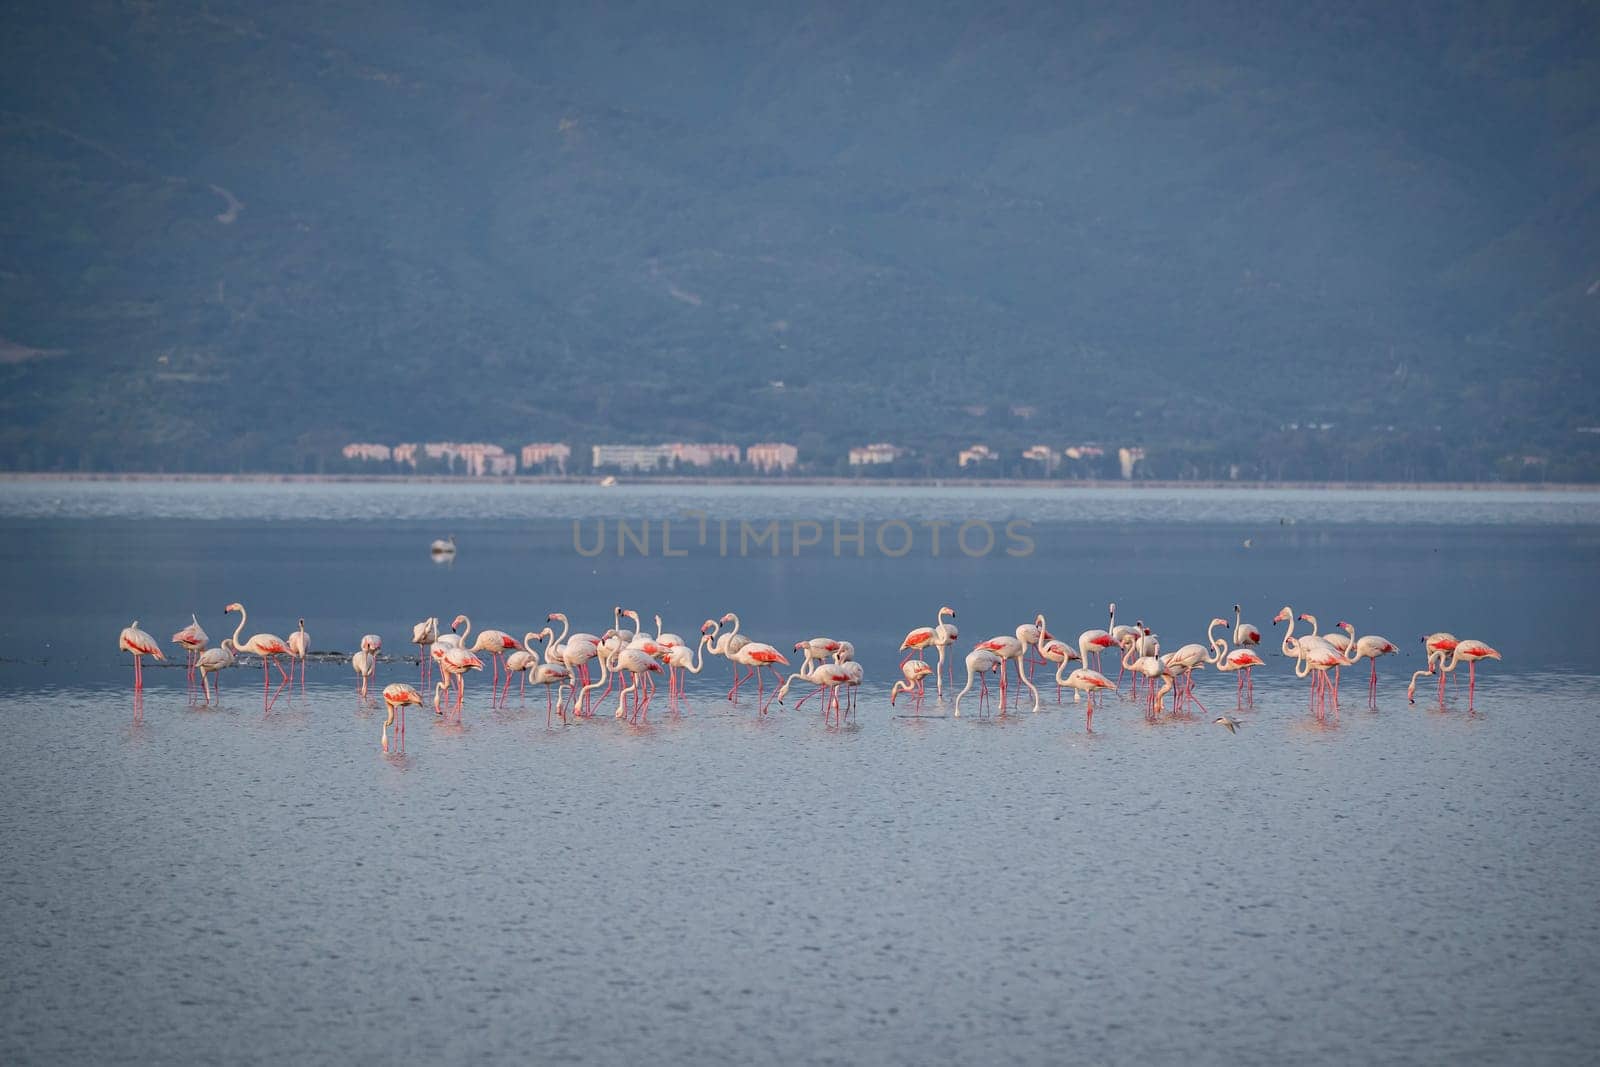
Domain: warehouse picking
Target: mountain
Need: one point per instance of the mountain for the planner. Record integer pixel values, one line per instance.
(238, 236)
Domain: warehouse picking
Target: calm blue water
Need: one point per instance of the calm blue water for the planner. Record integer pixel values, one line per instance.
(1405, 884)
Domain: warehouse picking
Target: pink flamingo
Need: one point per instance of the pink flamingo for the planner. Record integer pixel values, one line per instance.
(1084, 681)
(132, 639)
(495, 642)
(1096, 641)
(825, 677)
(944, 636)
(299, 645)
(1322, 659)
(681, 662)
(916, 673)
(1240, 661)
(755, 656)
(1469, 652)
(1244, 635)
(213, 660)
(267, 646)
(1370, 647)
(1030, 634)
(520, 663)
(423, 635)
(980, 662)
(1060, 653)
(1183, 663)
(364, 663)
(396, 697)
(1439, 646)
(1007, 648)
(454, 663)
(640, 664)
(192, 639)
(729, 644)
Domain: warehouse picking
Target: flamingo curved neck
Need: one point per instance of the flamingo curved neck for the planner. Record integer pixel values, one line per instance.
(237, 630)
(465, 632)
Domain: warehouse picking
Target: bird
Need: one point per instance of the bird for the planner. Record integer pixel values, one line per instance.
(944, 635)
(728, 644)
(825, 676)
(1370, 647)
(639, 664)
(213, 660)
(1240, 661)
(267, 646)
(1008, 648)
(755, 656)
(364, 663)
(299, 645)
(495, 642)
(423, 635)
(132, 639)
(1322, 659)
(916, 673)
(454, 663)
(1058, 652)
(1469, 652)
(370, 642)
(980, 661)
(681, 661)
(397, 697)
(521, 662)
(1030, 634)
(1084, 681)
(444, 548)
(1096, 641)
(1244, 635)
(192, 639)
(1232, 724)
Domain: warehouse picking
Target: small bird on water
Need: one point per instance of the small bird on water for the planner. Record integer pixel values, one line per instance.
(1231, 724)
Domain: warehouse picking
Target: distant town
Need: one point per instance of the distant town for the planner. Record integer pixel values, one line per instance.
(483, 460)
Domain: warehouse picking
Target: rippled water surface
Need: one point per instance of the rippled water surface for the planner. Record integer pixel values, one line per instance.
(1408, 883)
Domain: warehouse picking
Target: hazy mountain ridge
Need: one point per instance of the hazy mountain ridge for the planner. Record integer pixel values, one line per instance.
(621, 223)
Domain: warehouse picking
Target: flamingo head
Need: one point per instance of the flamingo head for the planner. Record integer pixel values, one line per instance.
(302, 624)
(1236, 607)
(1219, 622)
(709, 626)
(947, 611)
(232, 608)
(457, 621)
(1303, 617)
(1345, 626)
(634, 615)
(728, 617)
(799, 646)
(1283, 616)
(555, 616)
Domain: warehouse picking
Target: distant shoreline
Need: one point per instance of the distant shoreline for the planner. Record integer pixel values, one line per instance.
(780, 482)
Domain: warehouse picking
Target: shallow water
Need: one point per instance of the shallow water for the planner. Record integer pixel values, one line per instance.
(1410, 883)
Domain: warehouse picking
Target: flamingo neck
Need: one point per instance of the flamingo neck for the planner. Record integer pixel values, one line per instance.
(1219, 647)
(465, 632)
(1312, 619)
(237, 630)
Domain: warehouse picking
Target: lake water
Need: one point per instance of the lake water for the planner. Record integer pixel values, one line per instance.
(1404, 884)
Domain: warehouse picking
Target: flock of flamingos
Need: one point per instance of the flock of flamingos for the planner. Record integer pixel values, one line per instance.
(580, 670)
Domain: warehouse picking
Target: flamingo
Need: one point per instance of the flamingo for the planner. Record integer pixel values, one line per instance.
(1082, 681)
(267, 646)
(667, 640)
(1242, 659)
(1007, 648)
(213, 660)
(363, 663)
(825, 676)
(944, 635)
(681, 661)
(443, 548)
(980, 661)
(1439, 646)
(728, 645)
(495, 642)
(1058, 652)
(423, 635)
(132, 639)
(1239, 660)
(1470, 652)
(299, 645)
(1030, 634)
(396, 697)
(454, 663)
(640, 664)
(816, 650)
(1244, 635)
(756, 655)
(547, 675)
(1369, 646)
(1184, 662)
(521, 662)
(1097, 640)
(915, 681)
(1150, 668)
(192, 639)
(1322, 659)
